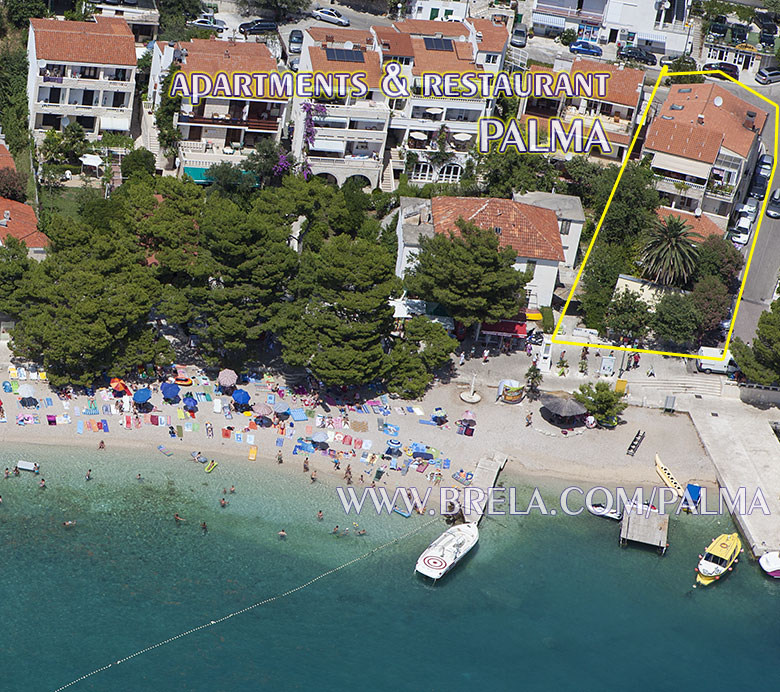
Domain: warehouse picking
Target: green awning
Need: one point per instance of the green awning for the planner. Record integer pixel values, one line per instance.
(198, 175)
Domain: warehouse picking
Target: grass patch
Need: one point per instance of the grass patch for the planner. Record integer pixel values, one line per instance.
(63, 201)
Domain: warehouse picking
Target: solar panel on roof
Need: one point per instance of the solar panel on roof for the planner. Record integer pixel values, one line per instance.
(438, 43)
(342, 55)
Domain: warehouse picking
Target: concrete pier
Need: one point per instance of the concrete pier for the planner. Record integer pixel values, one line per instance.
(485, 475)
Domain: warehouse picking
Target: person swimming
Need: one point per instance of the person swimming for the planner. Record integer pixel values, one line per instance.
(69, 523)
(282, 534)
(319, 515)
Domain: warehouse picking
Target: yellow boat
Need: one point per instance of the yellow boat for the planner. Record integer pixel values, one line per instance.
(252, 453)
(667, 477)
(718, 559)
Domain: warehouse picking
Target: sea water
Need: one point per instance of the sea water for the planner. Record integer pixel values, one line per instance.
(543, 603)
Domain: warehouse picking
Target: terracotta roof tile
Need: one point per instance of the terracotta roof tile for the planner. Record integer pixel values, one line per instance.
(429, 27)
(371, 66)
(22, 225)
(494, 36)
(623, 84)
(6, 160)
(727, 119)
(106, 41)
(530, 231)
(323, 34)
(212, 56)
(683, 139)
(458, 60)
(393, 42)
(703, 225)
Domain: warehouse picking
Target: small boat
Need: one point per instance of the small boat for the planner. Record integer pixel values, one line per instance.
(668, 477)
(447, 550)
(718, 559)
(770, 563)
(599, 511)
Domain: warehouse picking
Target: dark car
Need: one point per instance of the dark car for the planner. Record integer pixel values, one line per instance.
(767, 38)
(765, 160)
(773, 206)
(719, 29)
(686, 62)
(257, 26)
(636, 53)
(729, 68)
(765, 23)
(739, 33)
(758, 187)
(296, 41)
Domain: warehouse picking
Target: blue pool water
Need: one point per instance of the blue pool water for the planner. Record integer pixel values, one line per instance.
(543, 603)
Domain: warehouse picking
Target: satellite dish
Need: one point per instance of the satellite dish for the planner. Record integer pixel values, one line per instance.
(42, 64)
(569, 156)
(667, 5)
(697, 212)
(462, 39)
(348, 45)
(718, 100)
(66, 120)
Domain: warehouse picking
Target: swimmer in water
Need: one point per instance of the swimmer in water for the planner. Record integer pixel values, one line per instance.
(282, 534)
(204, 527)
(362, 532)
(319, 515)
(177, 518)
(222, 502)
(69, 523)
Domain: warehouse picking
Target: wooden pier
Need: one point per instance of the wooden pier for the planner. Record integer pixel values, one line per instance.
(485, 475)
(650, 528)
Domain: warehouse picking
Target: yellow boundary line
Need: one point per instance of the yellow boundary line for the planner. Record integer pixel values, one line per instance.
(666, 73)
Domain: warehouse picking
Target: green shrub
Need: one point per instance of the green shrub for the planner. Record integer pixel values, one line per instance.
(568, 37)
(548, 321)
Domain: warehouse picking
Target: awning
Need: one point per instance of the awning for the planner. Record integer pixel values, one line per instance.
(91, 160)
(121, 124)
(420, 136)
(507, 328)
(332, 146)
(649, 36)
(677, 164)
(548, 20)
(198, 175)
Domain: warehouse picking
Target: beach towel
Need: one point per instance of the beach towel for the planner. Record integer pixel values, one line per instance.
(195, 427)
(77, 410)
(180, 413)
(99, 425)
(14, 386)
(148, 419)
(80, 427)
(298, 414)
(338, 437)
(367, 444)
(446, 463)
(226, 433)
(13, 373)
(252, 425)
(128, 423)
(308, 429)
(250, 439)
(154, 419)
(49, 402)
(426, 421)
(357, 443)
(188, 426)
(290, 432)
(360, 426)
(239, 438)
(43, 376)
(376, 408)
(384, 399)
(347, 440)
(105, 425)
(421, 467)
(280, 442)
(270, 399)
(51, 420)
(179, 432)
(418, 410)
(207, 395)
(410, 409)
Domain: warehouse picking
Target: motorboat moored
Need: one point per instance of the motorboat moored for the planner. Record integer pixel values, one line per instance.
(447, 550)
(718, 559)
(770, 563)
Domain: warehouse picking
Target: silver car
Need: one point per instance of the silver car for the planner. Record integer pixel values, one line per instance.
(773, 205)
(330, 15)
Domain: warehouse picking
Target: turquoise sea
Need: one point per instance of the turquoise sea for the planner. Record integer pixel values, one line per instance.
(543, 603)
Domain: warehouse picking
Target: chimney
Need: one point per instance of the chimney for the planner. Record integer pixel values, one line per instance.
(700, 119)
(750, 121)
(227, 54)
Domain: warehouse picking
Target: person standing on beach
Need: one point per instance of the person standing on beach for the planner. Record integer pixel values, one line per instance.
(313, 476)
(102, 445)
(462, 359)
(279, 459)
(529, 419)
(306, 465)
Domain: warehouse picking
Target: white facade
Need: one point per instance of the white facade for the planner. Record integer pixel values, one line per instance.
(539, 291)
(97, 96)
(439, 9)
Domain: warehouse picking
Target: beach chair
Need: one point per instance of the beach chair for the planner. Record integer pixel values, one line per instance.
(13, 373)
(80, 427)
(105, 425)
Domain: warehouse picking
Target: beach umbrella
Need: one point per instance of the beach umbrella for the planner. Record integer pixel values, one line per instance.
(26, 390)
(227, 378)
(319, 436)
(142, 395)
(263, 410)
(190, 402)
(395, 444)
(241, 396)
(469, 418)
(116, 383)
(564, 407)
(169, 390)
(29, 402)
(281, 407)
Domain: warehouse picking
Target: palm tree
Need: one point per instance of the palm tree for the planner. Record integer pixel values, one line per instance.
(670, 253)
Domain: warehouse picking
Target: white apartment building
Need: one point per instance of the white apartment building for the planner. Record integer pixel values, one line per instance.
(350, 138)
(649, 24)
(217, 130)
(80, 72)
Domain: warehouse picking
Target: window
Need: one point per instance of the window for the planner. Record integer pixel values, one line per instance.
(450, 173)
(565, 227)
(491, 58)
(422, 172)
(397, 104)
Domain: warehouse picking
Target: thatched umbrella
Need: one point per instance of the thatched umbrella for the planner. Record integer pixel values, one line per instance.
(563, 407)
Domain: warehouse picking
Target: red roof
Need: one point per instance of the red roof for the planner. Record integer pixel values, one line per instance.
(494, 35)
(504, 328)
(460, 59)
(212, 56)
(6, 160)
(22, 224)
(530, 231)
(684, 140)
(337, 35)
(623, 84)
(106, 41)
(702, 225)
(370, 65)
(393, 42)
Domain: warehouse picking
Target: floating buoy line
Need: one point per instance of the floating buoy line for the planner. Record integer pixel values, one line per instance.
(212, 623)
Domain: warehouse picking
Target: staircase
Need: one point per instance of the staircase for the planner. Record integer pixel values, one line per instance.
(706, 385)
(696, 40)
(387, 183)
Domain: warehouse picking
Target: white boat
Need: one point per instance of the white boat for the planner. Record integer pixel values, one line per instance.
(770, 563)
(599, 511)
(447, 550)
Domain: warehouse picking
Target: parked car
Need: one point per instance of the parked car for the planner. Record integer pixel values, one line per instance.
(739, 33)
(638, 54)
(257, 26)
(295, 42)
(205, 23)
(749, 209)
(719, 29)
(766, 160)
(768, 75)
(765, 23)
(758, 187)
(585, 48)
(294, 63)
(764, 171)
(773, 205)
(686, 61)
(330, 15)
(519, 36)
(729, 68)
(767, 38)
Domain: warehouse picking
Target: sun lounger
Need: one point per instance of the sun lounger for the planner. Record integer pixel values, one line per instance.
(25, 465)
(13, 373)
(105, 425)
(80, 427)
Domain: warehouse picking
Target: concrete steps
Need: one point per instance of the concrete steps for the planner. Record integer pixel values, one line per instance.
(387, 184)
(711, 385)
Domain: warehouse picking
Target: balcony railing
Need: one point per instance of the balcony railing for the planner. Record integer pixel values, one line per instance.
(568, 12)
(349, 161)
(720, 190)
(269, 125)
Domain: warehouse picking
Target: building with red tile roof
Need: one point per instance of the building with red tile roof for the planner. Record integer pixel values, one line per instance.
(701, 225)
(6, 160)
(106, 41)
(19, 221)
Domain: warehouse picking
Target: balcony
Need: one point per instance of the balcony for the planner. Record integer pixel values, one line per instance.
(722, 191)
(369, 110)
(268, 125)
(590, 17)
(611, 123)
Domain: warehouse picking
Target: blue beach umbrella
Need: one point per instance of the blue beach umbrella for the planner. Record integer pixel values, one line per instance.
(241, 396)
(142, 395)
(169, 390)
(190, 402)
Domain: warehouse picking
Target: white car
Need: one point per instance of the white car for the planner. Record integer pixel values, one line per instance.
(327, 14)
(204, 23)
(749, 208)
(740, 239)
